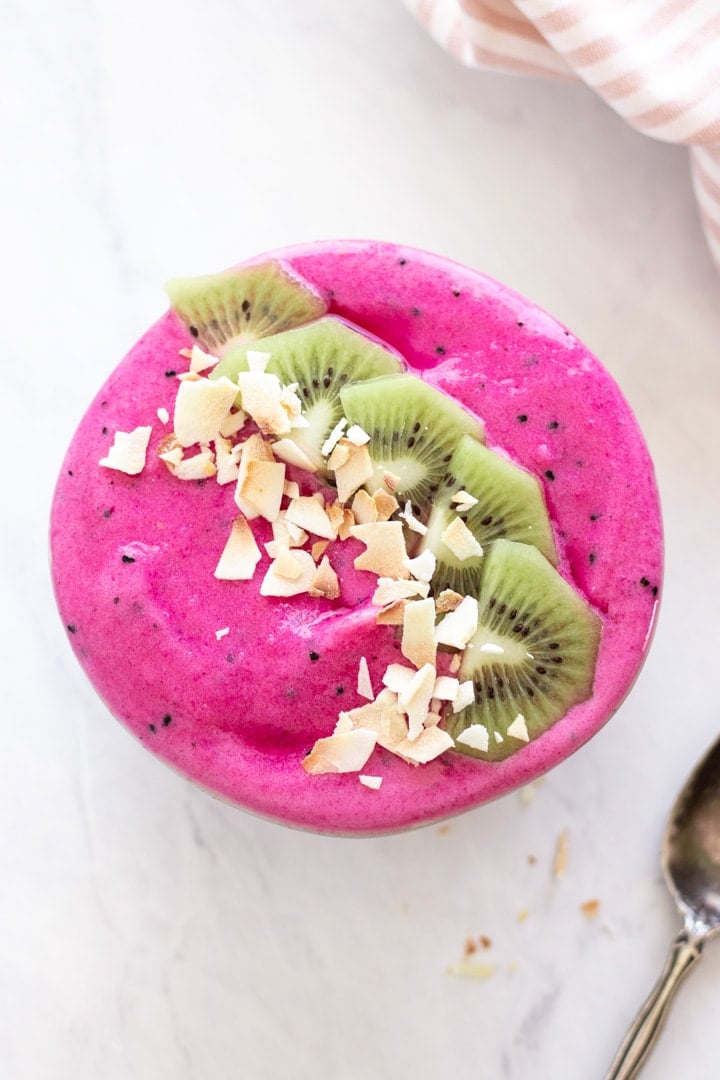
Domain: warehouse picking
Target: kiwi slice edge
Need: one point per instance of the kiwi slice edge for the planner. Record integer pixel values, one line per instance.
(550, 637)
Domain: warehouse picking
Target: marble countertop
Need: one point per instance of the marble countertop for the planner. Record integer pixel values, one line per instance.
(148, 930)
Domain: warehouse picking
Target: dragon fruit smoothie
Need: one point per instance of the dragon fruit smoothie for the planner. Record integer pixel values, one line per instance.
(233, 688)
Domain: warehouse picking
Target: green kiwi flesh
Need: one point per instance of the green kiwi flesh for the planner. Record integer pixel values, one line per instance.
(549, 637)
(510, 505)
(413, 431)
(321, 358)
(242, 305)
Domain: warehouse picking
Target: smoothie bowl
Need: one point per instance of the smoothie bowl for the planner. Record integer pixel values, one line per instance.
(357, 538)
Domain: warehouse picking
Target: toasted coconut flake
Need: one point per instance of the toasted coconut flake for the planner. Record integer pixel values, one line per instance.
(391, 614)
(233, 422)
(201, 361)
(240, 555)
(477, 737)
(257, 361)
(398, 677)
(356, 435)
(163, 415)
(422, 566)
(458, 626)
(364, 508)
(429, 744)
(185, 353)
(344, 723)
(459, 539)
(198, 467)
(411, 521)
(418, 638)
(329, 445)
(518, 728)
(364, 685)
(273, 584)
(262, 486)
(340, 455)
(372, 782)
(391, 481)
(589, 908)
(383, 717)
(325, 583)
(468, 969)
(498, 737)
(414, 700)
(188, 376)
(201, 406)
(289, 451)
(456, 660)
(346, 752)
(465, 696)
(448, 600)
(390, 590)
(298, 536)
(309, 514)
(318, 549)
(128, 451)
(220, 634)
(285, 566)
(385, 504)
(291, 489)
(227, 459)
(385, 552)
(292, 405)
(354, 471)
(348, 520)
(561, 854)
(464, 500)
(171, 452)
(261, 394)
(446, 688)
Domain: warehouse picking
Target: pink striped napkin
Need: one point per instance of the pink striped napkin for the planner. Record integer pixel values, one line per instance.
(655, 62)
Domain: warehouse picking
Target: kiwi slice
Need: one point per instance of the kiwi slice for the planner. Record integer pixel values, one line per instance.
(413, 431)
(321, 358)
(549, 639)
(510, 505)
(243, 305)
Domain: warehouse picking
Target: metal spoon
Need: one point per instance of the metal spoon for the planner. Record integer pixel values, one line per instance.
(691, 865)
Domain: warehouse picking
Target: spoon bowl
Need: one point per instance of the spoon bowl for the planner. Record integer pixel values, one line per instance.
(691, 865)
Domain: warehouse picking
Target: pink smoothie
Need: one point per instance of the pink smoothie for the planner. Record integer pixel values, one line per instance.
(133, 556)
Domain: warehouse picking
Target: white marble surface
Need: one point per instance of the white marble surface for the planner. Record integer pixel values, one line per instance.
(147, 930)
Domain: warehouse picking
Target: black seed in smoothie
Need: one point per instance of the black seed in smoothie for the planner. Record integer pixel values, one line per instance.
(594, 517)
(644, 582)
(128, 559)
(170, 373)
(194, 331)
(166, 720)
(416, 311)
(553, 425)
(116, 599)
(71, 628)
(339, 690)
(151, 727)
(549, 474)
(70, 472)
(591, 557)
(104, 431)
(520, 323)
(230, 658)
(456, 292)
(402, 262)
(522, 418)
(440, 350)
(314, 656)
(654, 590)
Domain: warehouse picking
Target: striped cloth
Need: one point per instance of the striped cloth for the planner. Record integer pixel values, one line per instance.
(655, 62)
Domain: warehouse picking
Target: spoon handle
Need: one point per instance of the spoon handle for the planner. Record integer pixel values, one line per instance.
(641, 1037)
